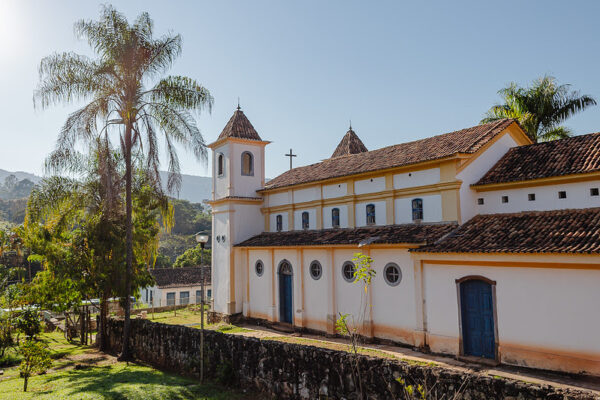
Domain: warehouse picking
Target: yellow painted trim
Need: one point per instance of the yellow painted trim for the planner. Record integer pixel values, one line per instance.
(248, 279)
(371, 174)
(552, 180)
(333, 295)
(450, 205)
(514, 264)
(218, 143)
(338, 246)
(389, 211)
(302, 291)
(235, 201)
(267, 223)
(291, 220)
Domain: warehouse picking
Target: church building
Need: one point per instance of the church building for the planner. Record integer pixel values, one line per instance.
(486, 246)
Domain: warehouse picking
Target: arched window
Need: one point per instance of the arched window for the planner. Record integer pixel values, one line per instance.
(220, 164)
(279, 223)
(305, 220)
(370, 214)
(348, 270)
(247, 163)
(392, 274)
(417, 209)
(335, 218)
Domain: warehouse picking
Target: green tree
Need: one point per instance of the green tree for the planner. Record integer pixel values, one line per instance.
(540, 108)
(193, 257)
(115, 84)
(36, 359)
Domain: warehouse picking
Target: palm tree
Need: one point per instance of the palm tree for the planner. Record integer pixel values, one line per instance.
(125, 98)
(540, 108)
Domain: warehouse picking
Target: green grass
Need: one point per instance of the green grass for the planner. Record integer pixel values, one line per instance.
(81, 372)
(191, 318)
(117, 381)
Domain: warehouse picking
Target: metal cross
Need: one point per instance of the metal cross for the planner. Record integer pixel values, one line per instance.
(290, 156)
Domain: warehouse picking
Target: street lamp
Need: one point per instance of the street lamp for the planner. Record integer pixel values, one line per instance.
(202, 238)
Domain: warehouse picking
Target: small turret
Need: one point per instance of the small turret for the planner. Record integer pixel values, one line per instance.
(350, 144)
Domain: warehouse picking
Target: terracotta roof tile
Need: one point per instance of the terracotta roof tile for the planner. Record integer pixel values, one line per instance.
(350, 144)
(463, 141)
(176, 277)
(406, 233)
(575, 155)
(239, 127)
(558, 231)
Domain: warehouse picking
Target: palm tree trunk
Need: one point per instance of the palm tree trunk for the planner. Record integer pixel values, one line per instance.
(126, 353)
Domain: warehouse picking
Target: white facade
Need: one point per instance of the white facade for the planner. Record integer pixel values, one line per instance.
(155, 296)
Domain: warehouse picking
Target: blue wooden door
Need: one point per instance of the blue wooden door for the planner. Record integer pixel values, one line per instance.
(477, 312)
(285, 293)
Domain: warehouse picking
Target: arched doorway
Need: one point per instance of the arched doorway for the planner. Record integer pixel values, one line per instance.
(285, 292)
(477, 317)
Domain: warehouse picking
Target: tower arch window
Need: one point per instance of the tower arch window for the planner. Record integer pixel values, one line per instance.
(335, 218)
(417, 209)
(370, 214)
(247, 163)
(305, 220)
(220, 164)
(279, 223)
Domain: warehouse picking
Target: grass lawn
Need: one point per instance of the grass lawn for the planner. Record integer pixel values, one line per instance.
(80, 372)
(191, 318)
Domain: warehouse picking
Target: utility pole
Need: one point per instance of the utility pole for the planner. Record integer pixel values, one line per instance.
(201, 238)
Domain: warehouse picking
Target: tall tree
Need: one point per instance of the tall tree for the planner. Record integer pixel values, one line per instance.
(540, 108)
(125, 98)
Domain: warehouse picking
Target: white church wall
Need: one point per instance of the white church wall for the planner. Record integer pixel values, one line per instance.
(546, 317)
(335, 190)
(474, 171)
(245, 185)
(221, 182)
(546, 198)
(312, 218)
(220, 257)
(284, 222)
(260, 286)
(417, 178)
(290, 256)
(249, 221)
(327, 220)
(317, 292)
(279, 199)
(361, 213)
(370, 185)
(349, 296)
(308, 194)
(394, 306)
(432, 208)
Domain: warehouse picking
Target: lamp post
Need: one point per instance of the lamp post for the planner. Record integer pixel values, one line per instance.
(201, 238)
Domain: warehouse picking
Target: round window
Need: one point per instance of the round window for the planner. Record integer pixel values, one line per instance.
(348, 271)
(392, 274)
(316, 270)
(259, 267)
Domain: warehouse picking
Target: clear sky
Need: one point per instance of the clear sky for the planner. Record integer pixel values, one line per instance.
(400, 70)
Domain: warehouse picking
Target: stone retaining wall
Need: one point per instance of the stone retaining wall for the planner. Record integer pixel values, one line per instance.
(291, 371)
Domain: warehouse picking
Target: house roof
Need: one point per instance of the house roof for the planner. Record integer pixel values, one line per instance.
(575, 155)
(239, 127)
(350, 144)
(557, 231)
(466, 141)
(176, 277)
(392, 234)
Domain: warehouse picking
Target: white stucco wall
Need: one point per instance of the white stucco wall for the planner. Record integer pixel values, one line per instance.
(370, 185)
(417, 178)
(432, 209)
(308, 194)
(327, 220)
(552, 309)
(248, 222)
(220, 260)
(221, 182)
(312, 218)
(546, 198)
(260, 286)
(474, 171)
(317, 292)
(284, 221)
(279, 199)
(159, 295)
(335, 190)
(380, 213)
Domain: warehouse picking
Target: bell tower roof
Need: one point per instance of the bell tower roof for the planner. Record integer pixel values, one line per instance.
(239, 127)
(350, 144)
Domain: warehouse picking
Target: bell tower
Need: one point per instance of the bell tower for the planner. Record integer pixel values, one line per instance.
(238, 171)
